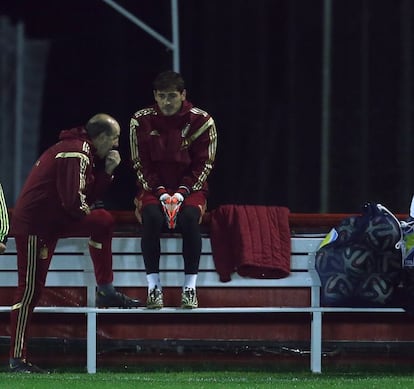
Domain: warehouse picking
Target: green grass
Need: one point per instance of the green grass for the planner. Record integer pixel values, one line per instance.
(211, 379)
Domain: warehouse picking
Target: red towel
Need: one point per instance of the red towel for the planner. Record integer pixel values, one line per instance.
(253, 241)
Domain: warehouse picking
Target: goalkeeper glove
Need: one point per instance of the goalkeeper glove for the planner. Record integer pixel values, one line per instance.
(171, 206)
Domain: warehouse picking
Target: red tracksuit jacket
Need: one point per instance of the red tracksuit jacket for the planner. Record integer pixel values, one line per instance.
(60, 187)
(173, 151)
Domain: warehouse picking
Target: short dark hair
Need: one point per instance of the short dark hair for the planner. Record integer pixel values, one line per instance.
(169, 80)
(98, 124)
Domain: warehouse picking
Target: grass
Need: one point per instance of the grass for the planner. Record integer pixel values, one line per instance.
(200, 380)
(231, 379)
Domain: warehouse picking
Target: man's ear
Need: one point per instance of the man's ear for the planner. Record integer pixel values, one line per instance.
(98, 139)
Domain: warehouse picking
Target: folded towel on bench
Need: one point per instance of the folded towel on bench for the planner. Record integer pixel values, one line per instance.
(252, 240)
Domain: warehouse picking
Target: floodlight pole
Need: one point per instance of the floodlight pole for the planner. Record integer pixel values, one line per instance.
(18, 111)
(326, 107)
(173, 45)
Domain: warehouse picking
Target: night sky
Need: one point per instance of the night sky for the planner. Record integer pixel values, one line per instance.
(256, 67)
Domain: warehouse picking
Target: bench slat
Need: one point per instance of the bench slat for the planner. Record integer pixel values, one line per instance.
(135, 262)
(221, 310)
(211, 279)
(168, 278)
(123, 244)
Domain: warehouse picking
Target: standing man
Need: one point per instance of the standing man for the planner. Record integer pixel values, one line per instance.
(173, 147)
(57, 201)
(4, 222)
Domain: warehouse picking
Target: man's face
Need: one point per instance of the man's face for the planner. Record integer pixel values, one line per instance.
(169, 101)
(104, 143)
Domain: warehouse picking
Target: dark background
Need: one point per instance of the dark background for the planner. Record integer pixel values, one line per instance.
(256, 67)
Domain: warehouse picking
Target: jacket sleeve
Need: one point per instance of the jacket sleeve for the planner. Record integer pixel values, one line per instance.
(202, 145)
(4, 218)
(146, 176)
(73, 173)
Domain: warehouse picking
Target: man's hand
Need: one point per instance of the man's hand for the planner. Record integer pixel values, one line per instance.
(112, 160)
(2, 248)
(179, 197)
(171, 206)
(164, 198)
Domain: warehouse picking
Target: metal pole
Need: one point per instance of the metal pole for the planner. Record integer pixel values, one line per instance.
(406, 98)
(326, 106)
(175, 35)
(173, 46)
(18, 113)
(139, 23)
(4, 136)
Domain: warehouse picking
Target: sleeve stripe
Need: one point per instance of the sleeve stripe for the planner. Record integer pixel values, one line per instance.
(4, 216)
(136, 160)
(83, 165)
(212, 147)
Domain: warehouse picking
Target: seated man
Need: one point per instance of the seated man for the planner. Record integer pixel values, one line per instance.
(173, 148)
(57, 201)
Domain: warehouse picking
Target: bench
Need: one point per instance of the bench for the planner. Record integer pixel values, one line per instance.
(71, 267)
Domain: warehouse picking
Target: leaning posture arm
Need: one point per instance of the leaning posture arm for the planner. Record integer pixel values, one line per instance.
(4, 221)
(202, 145)
(73, 171)
(140, 146)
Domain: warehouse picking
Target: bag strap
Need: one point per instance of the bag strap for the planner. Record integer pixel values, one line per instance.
(412, 207)
(400, 244)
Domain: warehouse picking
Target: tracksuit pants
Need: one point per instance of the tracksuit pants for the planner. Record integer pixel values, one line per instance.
(34, 254)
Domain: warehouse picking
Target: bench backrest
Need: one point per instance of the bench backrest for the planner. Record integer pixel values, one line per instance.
(71, 266)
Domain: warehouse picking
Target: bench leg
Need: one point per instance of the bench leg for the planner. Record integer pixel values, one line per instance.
(91, 342)
(316, 343)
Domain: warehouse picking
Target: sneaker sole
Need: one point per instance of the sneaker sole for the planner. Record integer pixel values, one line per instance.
(155, 306)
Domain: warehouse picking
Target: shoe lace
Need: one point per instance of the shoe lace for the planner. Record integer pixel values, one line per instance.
(189, 295)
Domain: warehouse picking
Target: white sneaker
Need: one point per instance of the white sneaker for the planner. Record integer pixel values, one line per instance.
(189, 299)
(155, 299)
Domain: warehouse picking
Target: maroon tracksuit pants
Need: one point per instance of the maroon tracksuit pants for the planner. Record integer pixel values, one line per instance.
(34, 254)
